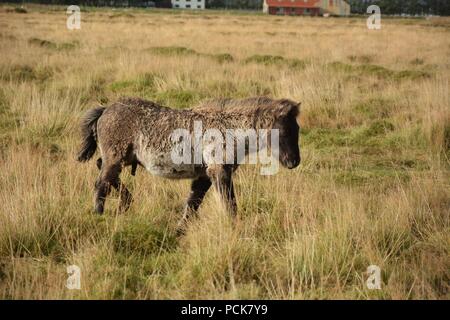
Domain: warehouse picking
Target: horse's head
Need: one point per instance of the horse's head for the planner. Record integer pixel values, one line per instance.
(288, 128)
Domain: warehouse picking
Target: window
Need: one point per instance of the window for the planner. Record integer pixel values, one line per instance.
(199, 7)
(177, 6)
(188, 6)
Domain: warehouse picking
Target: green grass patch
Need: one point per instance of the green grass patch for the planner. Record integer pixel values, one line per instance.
(183, 51)
(418, 62)
(95, 91)
(139, 237)
(222, 57)
(132, 272)
(58, 232)
(379, 71)
(264, 59)
(144, 84)
(172, 51)
(53, 45)
(42, 43)
(376, 153)
(379, 137)
(9, 121)
(47, 131)
(323, 138)
(219, 89)
(231, 89)
(254, 88)
(21, 73)
(3, 103)
(361, 177)
(393, 242)
(411, 75)
(275, 60)
(378, 127)
(374, 108)
(340, 66)
(361, 59)
(31, 245)
(178, 98)
(118, 86)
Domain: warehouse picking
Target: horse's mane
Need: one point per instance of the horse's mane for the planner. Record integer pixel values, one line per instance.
(262, 105)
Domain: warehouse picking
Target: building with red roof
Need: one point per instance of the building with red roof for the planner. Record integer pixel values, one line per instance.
(307, 7)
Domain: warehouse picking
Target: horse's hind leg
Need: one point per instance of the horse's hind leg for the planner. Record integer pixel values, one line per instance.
(134, 165)
(199, 187)
(125, 197)
(109, 177)
(103, 187)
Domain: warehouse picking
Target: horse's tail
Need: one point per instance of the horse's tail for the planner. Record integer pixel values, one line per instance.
(89, 134)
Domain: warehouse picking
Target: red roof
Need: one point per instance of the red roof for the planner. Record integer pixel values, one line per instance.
(294, 3)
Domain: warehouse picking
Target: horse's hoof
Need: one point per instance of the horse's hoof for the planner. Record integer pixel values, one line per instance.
(99, 208)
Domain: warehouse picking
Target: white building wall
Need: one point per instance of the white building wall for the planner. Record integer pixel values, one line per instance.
(336, 7)
(188, 4)
(265, 7)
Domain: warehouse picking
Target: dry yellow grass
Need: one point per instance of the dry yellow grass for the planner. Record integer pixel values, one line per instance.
(373, 187)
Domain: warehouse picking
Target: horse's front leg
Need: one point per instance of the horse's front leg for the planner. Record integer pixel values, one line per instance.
(221, 175)
(199, 187)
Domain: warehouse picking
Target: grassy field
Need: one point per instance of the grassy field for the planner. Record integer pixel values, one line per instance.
(373, 186)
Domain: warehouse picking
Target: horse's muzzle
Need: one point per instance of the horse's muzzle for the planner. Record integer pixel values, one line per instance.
(291, 164)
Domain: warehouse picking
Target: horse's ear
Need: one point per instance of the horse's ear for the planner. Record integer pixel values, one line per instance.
(288, 107)
(297, 109)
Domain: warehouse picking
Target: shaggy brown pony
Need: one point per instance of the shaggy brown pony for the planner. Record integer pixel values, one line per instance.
(135, 132)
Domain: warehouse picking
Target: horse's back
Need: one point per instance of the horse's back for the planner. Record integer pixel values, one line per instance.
(139, 129)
